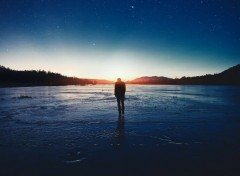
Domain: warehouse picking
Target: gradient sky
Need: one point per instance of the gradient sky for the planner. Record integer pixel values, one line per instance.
(107, 39)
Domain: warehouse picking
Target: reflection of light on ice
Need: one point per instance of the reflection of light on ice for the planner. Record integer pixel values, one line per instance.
(96, 104)
(81, 122)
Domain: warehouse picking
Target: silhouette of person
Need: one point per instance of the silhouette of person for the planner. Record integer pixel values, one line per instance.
(119, 92)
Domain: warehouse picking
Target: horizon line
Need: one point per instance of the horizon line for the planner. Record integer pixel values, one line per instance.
(104, 79)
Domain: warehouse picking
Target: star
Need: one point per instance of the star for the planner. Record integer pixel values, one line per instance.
(132, 7)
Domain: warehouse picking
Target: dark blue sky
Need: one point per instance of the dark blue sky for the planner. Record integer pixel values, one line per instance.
(200, 36)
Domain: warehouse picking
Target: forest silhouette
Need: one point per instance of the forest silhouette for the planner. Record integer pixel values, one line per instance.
(12, 78)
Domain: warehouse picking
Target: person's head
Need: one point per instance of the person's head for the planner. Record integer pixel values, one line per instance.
(119, 80)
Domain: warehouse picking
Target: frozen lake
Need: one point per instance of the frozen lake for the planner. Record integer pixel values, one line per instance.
(74, 130)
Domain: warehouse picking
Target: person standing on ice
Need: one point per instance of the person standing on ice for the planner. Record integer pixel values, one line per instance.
(119, 92)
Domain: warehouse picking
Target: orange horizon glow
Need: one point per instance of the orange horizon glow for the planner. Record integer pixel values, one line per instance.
(100, 63)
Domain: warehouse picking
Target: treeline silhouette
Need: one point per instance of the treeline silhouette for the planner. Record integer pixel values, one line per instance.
(14, 78)
(230, 76)
(10, 77)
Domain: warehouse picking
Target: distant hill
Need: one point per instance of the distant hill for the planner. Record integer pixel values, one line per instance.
(230, 76)
(14, 78)
(152, 80)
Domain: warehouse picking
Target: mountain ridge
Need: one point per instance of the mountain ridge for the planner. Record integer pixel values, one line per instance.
(230, 76)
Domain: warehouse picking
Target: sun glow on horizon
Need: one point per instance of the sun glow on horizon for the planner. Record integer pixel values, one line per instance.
(98, 63)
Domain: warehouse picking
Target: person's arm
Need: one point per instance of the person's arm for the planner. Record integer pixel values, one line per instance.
(124, 88)
(115, 89)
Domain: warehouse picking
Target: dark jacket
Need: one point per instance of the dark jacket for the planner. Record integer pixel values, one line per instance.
(120, 89)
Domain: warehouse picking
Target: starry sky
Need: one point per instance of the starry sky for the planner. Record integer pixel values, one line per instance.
(106, 39)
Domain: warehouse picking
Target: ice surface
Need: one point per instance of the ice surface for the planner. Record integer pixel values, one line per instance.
(72, 130)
